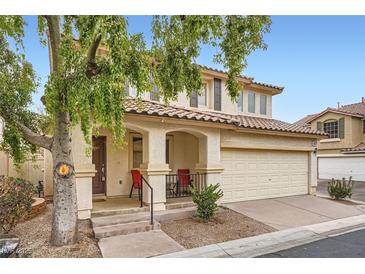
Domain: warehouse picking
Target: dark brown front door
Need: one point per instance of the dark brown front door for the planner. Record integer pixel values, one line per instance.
(99, 160)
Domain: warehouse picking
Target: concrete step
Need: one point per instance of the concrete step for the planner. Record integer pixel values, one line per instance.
(120, 219)
(124, 229)
(111, 212)
(180, 205)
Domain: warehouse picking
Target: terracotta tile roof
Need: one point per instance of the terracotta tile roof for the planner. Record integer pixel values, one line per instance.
(357, 108)
(145, 107)
(245, 77)
(304, 120)
(359, 148)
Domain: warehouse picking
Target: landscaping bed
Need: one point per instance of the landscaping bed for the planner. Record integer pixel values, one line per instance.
(34, 235)
(227, 225)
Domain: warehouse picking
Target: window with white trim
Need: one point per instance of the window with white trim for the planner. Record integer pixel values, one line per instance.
(202, 96)
(240, 102)
(331, 128)
(251, 102)
(263, 104)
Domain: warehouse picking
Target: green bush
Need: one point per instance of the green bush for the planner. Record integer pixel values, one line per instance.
(340, 189)
(15, 201)
(206, 200)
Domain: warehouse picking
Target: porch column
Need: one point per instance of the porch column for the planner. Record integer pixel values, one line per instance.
(209, 157)
(154, 167)
(84, 172)
(312, 172)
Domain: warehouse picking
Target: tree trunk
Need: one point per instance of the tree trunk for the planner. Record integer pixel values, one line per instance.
(64, 225)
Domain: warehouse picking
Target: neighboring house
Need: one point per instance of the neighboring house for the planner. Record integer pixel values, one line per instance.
(343, 153)
(29, 170)
(238, 145)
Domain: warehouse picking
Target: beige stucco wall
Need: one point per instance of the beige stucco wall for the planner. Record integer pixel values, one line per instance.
(353, 133)
(30, 170)
(228, 106)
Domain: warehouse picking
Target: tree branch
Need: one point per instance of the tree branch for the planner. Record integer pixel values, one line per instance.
(92, 69)
(54, 36)
(34, 138)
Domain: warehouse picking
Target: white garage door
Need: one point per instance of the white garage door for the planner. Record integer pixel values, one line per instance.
(259, 174)
(339, 167)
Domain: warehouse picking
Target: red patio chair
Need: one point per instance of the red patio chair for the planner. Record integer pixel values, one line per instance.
(136, 182)
(184, 180)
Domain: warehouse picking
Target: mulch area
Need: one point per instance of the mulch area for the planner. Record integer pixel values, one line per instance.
(227, 225)
(34, 235)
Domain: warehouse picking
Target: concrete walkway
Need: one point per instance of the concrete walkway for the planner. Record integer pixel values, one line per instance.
(138, 245)
(273, 242)
(295, 211)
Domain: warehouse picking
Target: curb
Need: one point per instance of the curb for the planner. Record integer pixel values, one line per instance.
(274, 241)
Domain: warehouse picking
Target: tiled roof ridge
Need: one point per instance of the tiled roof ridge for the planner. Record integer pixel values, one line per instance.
(239, 120)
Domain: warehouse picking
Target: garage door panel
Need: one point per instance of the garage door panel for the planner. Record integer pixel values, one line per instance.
(339, 167)
(250, 174)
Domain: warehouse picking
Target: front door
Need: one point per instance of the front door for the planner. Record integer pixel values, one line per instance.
(99, 160)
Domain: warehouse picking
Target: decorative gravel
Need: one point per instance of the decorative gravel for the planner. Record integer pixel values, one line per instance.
(227, 225)
(34, 235)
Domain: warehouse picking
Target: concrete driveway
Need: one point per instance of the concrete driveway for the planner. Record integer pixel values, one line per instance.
(295, 211)
(358, 190)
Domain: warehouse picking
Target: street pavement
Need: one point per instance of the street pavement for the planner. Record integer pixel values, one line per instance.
(349, 245)
(358, 190)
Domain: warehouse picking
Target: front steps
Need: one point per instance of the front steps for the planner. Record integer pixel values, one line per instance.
(115, 224)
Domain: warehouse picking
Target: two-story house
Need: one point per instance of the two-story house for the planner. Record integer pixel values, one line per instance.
(203, 139)
(343, 153)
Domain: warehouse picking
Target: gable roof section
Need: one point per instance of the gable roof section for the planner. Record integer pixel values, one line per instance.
(146, 107)
(355, 110)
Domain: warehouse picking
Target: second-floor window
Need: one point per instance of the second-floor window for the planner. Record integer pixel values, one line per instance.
(331, 128)
(202, 96)
(240, 102)
(263, 104)
(251, 102)
(363, 126)
(154, 96)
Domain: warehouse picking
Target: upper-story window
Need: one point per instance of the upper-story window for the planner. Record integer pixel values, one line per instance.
(240, 102)
(199, 99)
(202, 96)
(363, 126)
(154, 95)
(251, 102)
(263, 104)
(331, 128)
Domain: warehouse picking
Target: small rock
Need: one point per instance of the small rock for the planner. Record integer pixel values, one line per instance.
(8, 245)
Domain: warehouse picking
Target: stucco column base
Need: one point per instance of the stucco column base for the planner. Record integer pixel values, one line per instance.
(155, 174)
(213, 173)
(84, 174)
(313, 190)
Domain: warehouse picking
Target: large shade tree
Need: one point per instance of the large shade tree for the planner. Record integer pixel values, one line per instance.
(87, 86)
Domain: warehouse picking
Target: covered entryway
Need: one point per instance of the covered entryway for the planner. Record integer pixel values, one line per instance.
(258, 174)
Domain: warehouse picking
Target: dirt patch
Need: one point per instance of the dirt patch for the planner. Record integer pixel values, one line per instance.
(227, 225)
(34, 235)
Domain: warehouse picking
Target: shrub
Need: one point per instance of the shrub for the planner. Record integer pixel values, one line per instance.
(206, 200)
(15, 201)
(338, 189)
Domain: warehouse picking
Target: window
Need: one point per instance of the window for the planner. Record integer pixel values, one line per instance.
(251, 102)
(217, 94)
(240, 102)
(154, 96)
(331, 128)
(363, 126)
(137, 152)
(263, 104)
(202, 97)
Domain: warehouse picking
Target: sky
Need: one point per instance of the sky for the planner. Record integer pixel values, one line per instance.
(319, 60)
